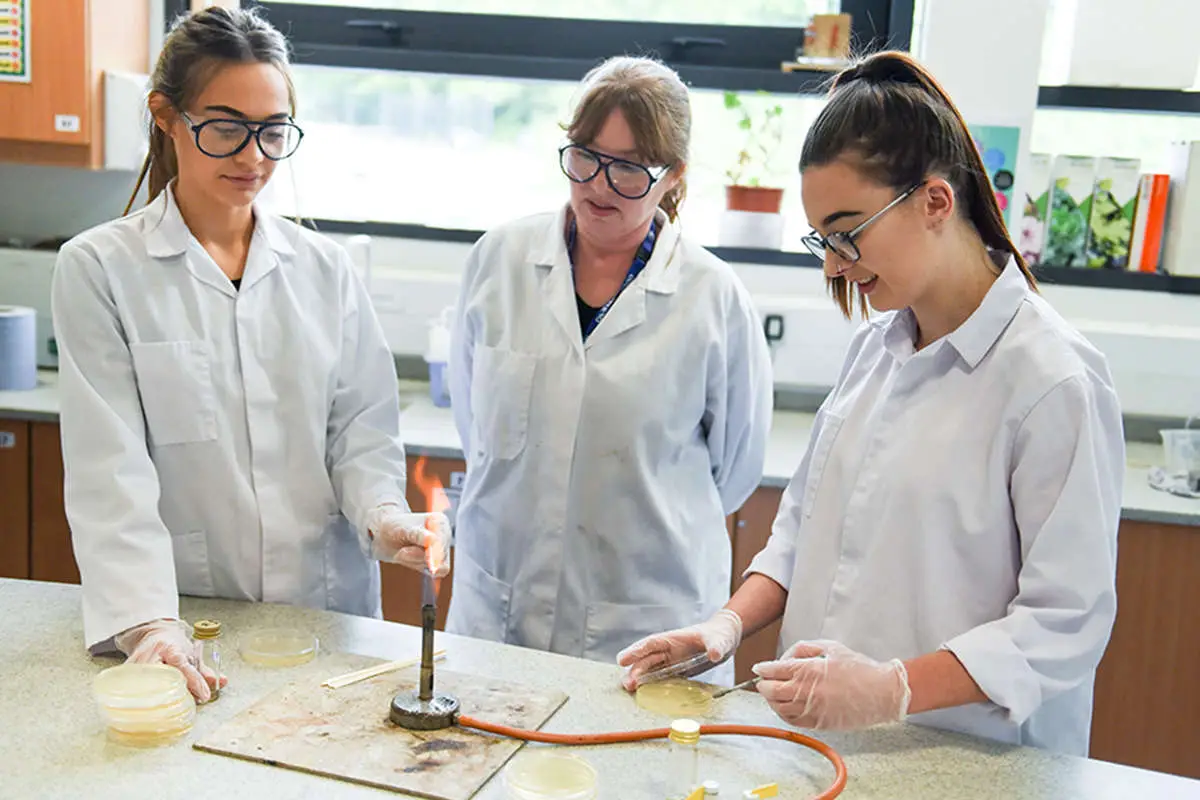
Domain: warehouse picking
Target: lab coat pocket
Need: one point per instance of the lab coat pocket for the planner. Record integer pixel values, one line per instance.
(480, 602)
(501, 392)
(611, 627)
(193, 575)
(830, 425)
(175, 383)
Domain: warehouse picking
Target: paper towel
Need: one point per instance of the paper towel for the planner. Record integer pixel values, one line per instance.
(18, 348)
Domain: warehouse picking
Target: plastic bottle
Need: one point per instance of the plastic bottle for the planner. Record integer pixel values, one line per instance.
(438, 357)
(684, 762)
(207, 635)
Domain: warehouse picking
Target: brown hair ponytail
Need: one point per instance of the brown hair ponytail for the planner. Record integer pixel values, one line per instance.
(893, 116)
(196, 45)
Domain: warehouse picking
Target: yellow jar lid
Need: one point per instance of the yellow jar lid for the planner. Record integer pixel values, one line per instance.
(206, 629)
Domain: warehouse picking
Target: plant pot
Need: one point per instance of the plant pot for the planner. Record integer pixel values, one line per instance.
(760, 199)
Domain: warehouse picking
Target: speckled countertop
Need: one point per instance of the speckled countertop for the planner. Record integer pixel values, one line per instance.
(429, 430)
(54, 745)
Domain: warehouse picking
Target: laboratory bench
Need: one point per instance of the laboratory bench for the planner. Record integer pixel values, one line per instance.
(55, 745)
(1146, 701)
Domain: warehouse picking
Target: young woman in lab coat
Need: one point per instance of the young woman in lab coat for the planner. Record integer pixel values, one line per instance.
(229, 408)
(612, 387)
(946, 549)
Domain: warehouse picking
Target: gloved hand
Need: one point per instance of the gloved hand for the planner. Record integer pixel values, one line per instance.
(719, 636)
(167, 641)
(419, 541)
(826, 685)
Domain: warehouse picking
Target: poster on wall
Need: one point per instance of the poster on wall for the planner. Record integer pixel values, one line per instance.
(14, 40)
(998, 145)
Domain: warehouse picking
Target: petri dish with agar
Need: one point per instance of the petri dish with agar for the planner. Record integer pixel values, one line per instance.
(144, 705)
(278, 647)
(549, 775)
(676, 697)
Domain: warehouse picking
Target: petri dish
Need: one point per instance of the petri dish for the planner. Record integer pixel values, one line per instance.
(134, 686)
(549, 775)
(676, 698)
(278, 647)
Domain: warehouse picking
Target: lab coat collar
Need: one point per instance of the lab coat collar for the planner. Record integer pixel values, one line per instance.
(167, 236)
(660, 276)
(974, 338)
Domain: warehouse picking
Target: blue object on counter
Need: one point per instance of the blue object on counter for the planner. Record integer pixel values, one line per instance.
(439, 392)
(18, 348)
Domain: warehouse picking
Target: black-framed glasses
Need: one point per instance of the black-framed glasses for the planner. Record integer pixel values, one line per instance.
(843, 242)
(222, 138)
(629, 179)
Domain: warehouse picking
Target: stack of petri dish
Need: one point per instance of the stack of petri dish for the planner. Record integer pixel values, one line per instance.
(144, 705)
(536, 774)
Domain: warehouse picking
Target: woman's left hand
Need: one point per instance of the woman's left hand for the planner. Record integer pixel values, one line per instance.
(826, 685)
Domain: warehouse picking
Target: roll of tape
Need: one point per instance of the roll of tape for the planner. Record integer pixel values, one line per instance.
(18, 348)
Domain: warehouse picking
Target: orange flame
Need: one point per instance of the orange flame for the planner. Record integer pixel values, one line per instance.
(436, 500)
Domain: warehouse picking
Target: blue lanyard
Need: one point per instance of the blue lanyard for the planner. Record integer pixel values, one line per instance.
(639, 263)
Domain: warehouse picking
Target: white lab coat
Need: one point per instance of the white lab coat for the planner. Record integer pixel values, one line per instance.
(599, 475)
(965, 496)
(218, 442)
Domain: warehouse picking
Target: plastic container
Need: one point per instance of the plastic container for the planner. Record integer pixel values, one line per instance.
(549, 775)
(438, 358)
(144, 705)
(684, 741)
(1181, 451)
(278, 647)
(206, 633)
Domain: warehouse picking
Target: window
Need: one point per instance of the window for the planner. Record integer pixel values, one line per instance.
(450, 151)
(447, 113)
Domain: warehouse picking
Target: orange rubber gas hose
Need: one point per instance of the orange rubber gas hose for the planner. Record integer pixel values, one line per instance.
(839, 766)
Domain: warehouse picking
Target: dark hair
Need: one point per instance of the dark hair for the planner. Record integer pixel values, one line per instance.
(197, 45)
(654, 102)
(897, 122)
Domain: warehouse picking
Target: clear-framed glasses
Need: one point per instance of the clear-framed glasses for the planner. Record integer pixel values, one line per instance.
(629, 179)
(843, 242)
(222, 138)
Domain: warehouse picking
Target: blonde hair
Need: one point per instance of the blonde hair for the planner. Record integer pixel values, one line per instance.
(655, 103)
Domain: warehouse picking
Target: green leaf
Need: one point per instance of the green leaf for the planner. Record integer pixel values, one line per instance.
(745, 123)
(732, 101)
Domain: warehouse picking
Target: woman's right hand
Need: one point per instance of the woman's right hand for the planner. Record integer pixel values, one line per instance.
(718, 636)
(166, 641)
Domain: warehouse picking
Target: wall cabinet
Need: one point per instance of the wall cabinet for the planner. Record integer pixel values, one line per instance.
(57, 117)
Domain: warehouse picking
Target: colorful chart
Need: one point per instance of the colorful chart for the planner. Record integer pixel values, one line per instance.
(998, 146)
(14, 40)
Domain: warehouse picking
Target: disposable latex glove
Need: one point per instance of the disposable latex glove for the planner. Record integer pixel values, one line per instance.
(826, 685)
(167, 641)
(419, 541)
(719, 636)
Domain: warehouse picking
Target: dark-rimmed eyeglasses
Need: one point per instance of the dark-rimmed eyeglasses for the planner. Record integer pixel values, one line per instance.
(843, 242)
(629, 179)
(222, 138)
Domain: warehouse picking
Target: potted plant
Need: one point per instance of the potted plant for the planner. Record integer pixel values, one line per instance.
(762, 127)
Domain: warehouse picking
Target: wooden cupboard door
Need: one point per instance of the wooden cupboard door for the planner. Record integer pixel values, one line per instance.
(53, 558)
(59, 84)
(754, 522)
(1147, 698)
(14, 499)
(402, 586)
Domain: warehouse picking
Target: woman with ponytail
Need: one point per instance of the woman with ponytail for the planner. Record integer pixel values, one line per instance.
(946, 550)
(229, 409)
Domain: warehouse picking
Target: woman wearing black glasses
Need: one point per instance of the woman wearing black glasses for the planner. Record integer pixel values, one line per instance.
(229, 409)
(612, 387)
(947, 546)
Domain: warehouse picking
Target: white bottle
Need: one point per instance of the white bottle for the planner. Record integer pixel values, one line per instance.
(437, 356)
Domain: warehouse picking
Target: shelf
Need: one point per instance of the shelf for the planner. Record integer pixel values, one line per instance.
(1117, 99)
(1118, 279)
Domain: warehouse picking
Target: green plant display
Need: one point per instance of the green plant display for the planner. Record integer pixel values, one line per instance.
(1067, 232)
(763, 129)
